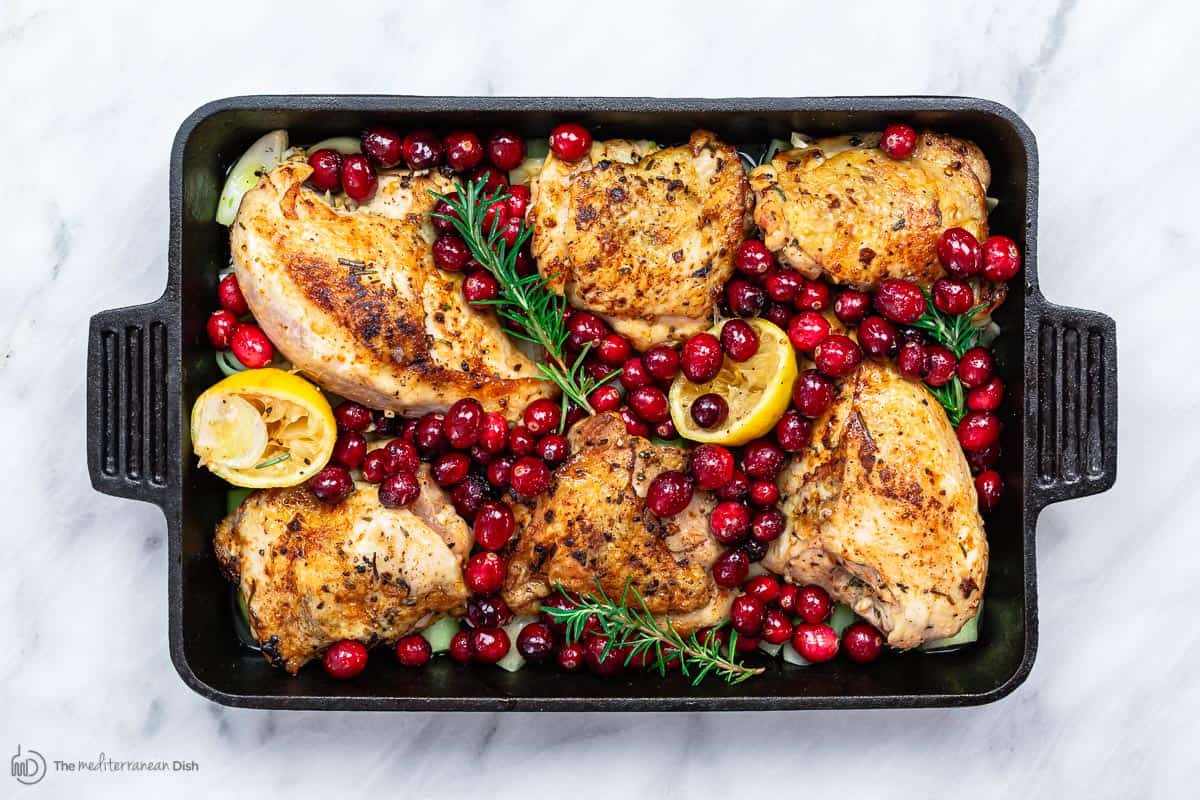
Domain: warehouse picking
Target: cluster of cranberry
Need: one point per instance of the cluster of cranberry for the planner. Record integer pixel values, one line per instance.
(227, 331)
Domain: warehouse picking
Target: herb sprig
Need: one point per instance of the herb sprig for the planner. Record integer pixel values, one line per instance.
(958, 334)
(532, 311)
(630, 625)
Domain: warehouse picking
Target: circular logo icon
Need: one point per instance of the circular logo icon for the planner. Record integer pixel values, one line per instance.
(28, 767)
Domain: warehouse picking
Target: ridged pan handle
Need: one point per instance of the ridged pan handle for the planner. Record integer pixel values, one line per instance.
(129, 403)
(1072, 418)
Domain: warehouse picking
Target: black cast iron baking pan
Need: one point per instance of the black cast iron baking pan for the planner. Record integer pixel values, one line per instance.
(147, 364)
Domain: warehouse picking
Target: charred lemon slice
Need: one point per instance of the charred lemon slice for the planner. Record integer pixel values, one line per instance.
(263, 427)
(757, 390)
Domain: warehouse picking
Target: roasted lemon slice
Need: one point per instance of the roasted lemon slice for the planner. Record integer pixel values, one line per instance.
(263, 427)
(757, 390)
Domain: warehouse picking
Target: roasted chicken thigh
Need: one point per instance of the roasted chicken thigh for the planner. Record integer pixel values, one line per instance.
(842, 207)
(592, 527)
(641, 236)
(353, 298)
(882, 512)
(313, 573)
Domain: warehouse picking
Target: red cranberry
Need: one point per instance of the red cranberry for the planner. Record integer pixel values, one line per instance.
(490, 644)
(542, 416)
(989, 486)
(669, 493)
(767, 525)
(529, 476)
(499, 470)
(952, 296)
(492, 430)
(463, 423)
(358, 178)
(421, 150)
(220, 327)
(605, 398)
(898, 140)
(413, 651)
(332, 484)
(746, 644)
(585, 328)
(983, 459)
(852, 306)
(764, 493)
(661, 362)
(815, 643)
(959, 252)
(571, 657)
(443, 215)
(912, 360)
(753, 259)
(451, 468)
(729, 522)
(383, 424)
(506, 150)
(731, 568)
(229, 295)
(812, 394)
(1001, 259)
(399, 490)
(862, 642)
(484, 573)
(837, 355)
(738, 487)
(351, 416)
(463, 150)
(403, 455)
(978, 429)
(634, 374)
(376, 465)
(712, 466)
(665, 430)
(614, 350)
(326, 170)
(900, 301)
(383, 145)
(787, 597)
(570, 141)
(762, 459)
(521, 441)
(744, 299)
(986, 396)
(784, 285)
(480, 287)
(350, 449)
(739, 340)
(793, 431)
(251, 346)
(487, 611)
(491, 180)
(649, 403)
(535, 642)
(494, 525)
(345, 659)
(518, 202)
(763, 587)
(975, 367)
(754, 549)
(813, 296)
(941, 365)
(461, 649)
(702, 358)
(813, 603)
(776, 627)
(746, 615)
(552, 448)
(709, 410)
(468, 496)
(777, 314)
(633, 423)
(601, 662)
(806, 330)
(450, 252)
(877, 337)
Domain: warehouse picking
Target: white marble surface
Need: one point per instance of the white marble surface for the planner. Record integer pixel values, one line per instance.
(91, 95)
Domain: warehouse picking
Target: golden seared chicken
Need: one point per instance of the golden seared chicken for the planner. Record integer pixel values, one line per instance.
(882, 511)
(842, 207)
(312, 574)
(354, 299)
(643, 237)
(593, 525)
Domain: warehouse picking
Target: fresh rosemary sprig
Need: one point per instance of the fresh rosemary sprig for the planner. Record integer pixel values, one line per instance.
(633, 626)
(958, 334)
(533, 312)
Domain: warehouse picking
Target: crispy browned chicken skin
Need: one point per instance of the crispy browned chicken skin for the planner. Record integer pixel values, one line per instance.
(842, 207)
(882, 511)
(354, 299)
(643, 237)
(592, 525)
(312, 573)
